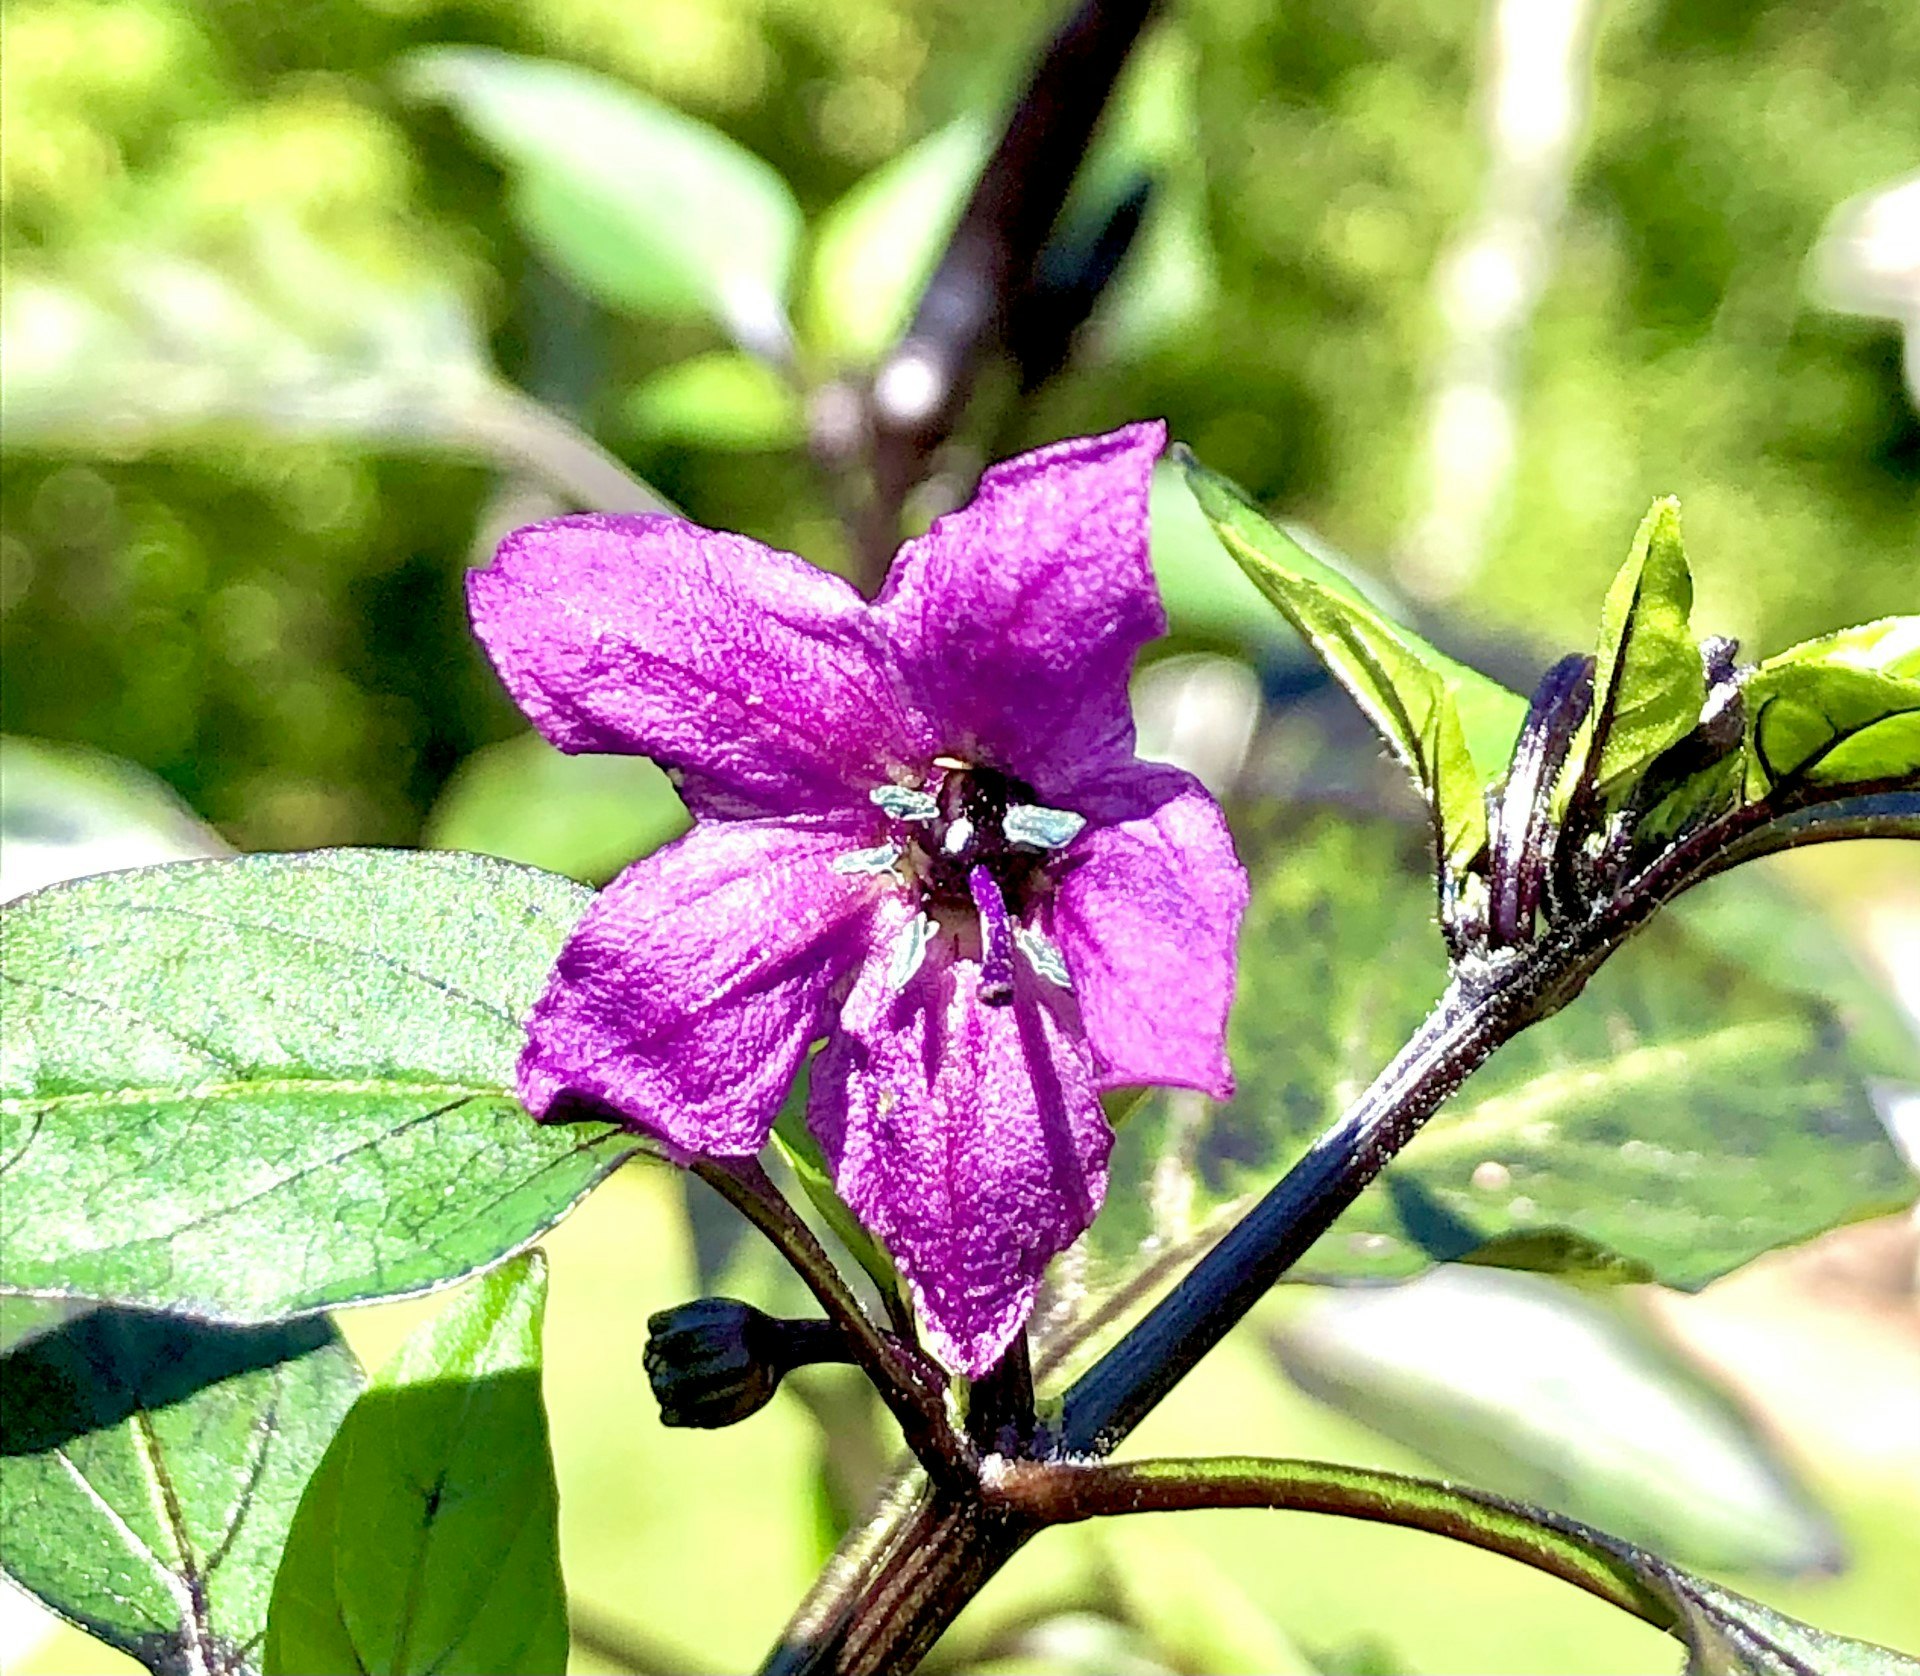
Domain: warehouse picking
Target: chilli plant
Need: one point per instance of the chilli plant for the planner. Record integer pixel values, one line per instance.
(892, 997)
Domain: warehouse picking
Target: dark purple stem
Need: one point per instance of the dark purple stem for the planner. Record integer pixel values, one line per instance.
(922, 386)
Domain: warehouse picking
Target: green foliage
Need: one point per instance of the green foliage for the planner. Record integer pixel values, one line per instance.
(429, 1537)
(1649, 681)
(724, 399)
(584, 816)
(1692, 1109)
(643, 206)
(873, 250)
(1412, 694)
(1195, 1616)
(293, 1089)
(149, 1472)
(1560, 1396)
(1840, 710)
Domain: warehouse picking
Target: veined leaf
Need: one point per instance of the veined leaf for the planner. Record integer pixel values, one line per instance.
(252, 1088)
(1649, 679)
(1407, 690)
(645, 207)
(429, 1538)
(149, 1471)
(875, 249)
(1838, 711)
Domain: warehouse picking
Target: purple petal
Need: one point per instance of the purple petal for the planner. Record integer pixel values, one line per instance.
(759, 677)
(688, 995)
(1147, 916)
(1016, 619)
(968, 1137)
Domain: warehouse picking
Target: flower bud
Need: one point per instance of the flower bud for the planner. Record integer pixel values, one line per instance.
(714, 1361)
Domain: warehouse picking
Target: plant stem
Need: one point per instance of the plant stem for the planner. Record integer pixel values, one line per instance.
(913, 1393)
(1062, 1492)
(921, 387)
(899, 1581)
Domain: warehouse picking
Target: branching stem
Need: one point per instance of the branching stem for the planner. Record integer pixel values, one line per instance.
(1063, 1492)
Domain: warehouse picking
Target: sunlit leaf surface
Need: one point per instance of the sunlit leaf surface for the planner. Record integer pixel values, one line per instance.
(253, 1087)
(429, 1537)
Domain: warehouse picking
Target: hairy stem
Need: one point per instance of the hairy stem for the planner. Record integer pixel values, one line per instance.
(912, 1392)
(1061, 1492)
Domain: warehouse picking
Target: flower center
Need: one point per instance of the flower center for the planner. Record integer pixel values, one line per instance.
(970, 831)
(977, 846)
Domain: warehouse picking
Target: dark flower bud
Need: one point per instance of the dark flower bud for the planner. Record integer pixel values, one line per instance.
(714, 1361)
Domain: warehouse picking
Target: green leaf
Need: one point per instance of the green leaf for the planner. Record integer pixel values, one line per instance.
(429, 1538)
(1555, 1395)
(1408, 691)
(67, 811)
(268, 329)
(645, 207)
(1649, 680)
(1837, 711)
(149, 1471)
(252, 1088)
(584, 816)
(874, 250)
(723, 400)
(1692, 1109)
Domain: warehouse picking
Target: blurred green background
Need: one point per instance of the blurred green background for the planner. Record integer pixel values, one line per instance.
(1458, 290)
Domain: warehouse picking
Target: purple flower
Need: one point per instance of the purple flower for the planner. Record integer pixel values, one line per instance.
(920, 831)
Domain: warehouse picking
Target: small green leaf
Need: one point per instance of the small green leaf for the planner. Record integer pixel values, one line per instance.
(723, 400)
(584, 816)
(1556, 1395)
(251, 1088)
(1649, 679)
(429, 1538)
(874, 250)
(149, 1471)
(1842, 710)
(1407, 691)
(643, 206)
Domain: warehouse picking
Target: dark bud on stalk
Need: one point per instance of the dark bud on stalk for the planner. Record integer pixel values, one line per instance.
(1524, 835)
(714, 1361)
